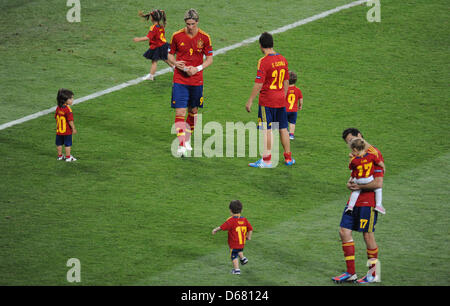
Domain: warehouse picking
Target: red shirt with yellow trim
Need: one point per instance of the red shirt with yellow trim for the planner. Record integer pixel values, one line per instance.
(237, 228)
(367, 197)
(293, 96)
(363, 166)
(156, 36)
(272, 72)
(190, 50)
(63, 115)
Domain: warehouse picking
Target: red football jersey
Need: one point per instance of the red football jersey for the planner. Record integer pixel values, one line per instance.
(272, 72)
(366, 197)
(156, 36)
(378, 171)
(363, 166)
(293, 96)
(63, 115)
(190, 50)
(237, 228)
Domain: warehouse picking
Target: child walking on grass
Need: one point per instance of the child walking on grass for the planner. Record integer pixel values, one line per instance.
(239, 230)
(158, 46)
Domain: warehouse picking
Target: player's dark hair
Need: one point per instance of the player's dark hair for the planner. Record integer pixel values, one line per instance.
(235, 206)
(63, 96)
(266, 40)
(292, 77)
(358, 144)
(157, 15)
(352, 131)
(191, 14)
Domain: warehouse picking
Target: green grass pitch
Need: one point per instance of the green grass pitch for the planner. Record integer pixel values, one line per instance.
(134, 215)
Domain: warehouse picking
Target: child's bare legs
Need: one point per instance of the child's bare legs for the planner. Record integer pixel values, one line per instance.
(236, 260)
(153, 68)
(67, 149)
(59, 149)
(168, 63)
(291, 128)
(243, 259)
(236, 264)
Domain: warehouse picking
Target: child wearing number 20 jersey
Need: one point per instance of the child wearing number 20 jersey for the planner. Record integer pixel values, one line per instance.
(65, 126)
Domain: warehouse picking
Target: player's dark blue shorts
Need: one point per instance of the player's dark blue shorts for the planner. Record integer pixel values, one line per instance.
(268, 115)
(187, 96)
(362, 219)
(63, 140)
(235, 253)
(292, 117)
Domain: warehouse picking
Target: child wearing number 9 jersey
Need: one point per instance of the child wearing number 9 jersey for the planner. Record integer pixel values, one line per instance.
(294, 103)
(239, 230)
(64, 124)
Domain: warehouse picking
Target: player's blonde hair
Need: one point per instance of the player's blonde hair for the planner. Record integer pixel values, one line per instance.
(191, 14)
(358, 144)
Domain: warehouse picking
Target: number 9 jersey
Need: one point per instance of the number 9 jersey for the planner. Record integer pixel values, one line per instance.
(237, 228)
(272, 72)
(191, 51)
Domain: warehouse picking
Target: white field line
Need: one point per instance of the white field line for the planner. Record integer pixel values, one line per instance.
(166, 70)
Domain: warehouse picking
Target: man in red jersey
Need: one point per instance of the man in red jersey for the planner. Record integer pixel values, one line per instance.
(362, 219)
(239, 230)
(189, 45)
(271, 83)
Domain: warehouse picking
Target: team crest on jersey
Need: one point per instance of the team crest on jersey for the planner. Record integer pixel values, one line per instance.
(199, 44)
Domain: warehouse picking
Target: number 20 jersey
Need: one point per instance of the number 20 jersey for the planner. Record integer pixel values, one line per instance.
(272, 72)
(237, 228)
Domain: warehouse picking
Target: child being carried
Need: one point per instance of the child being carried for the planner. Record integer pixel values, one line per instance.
(362, 166)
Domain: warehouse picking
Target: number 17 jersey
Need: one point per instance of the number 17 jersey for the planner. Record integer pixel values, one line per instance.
(237, 228)
(272, 72)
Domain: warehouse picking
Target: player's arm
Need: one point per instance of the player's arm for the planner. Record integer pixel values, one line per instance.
(249, 235)
(255, 91)
(191, 70)
(286, 87)
(300, 106)
(216, 230)
(138, 39)
(375, 184)
(173, 62)
(382, 165)
(72, 126)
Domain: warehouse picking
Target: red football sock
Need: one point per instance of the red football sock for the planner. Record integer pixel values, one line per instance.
(191, 120)
(267, 158)
(372, 253)
(180, 126)
(288, 156)
(349, 254)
